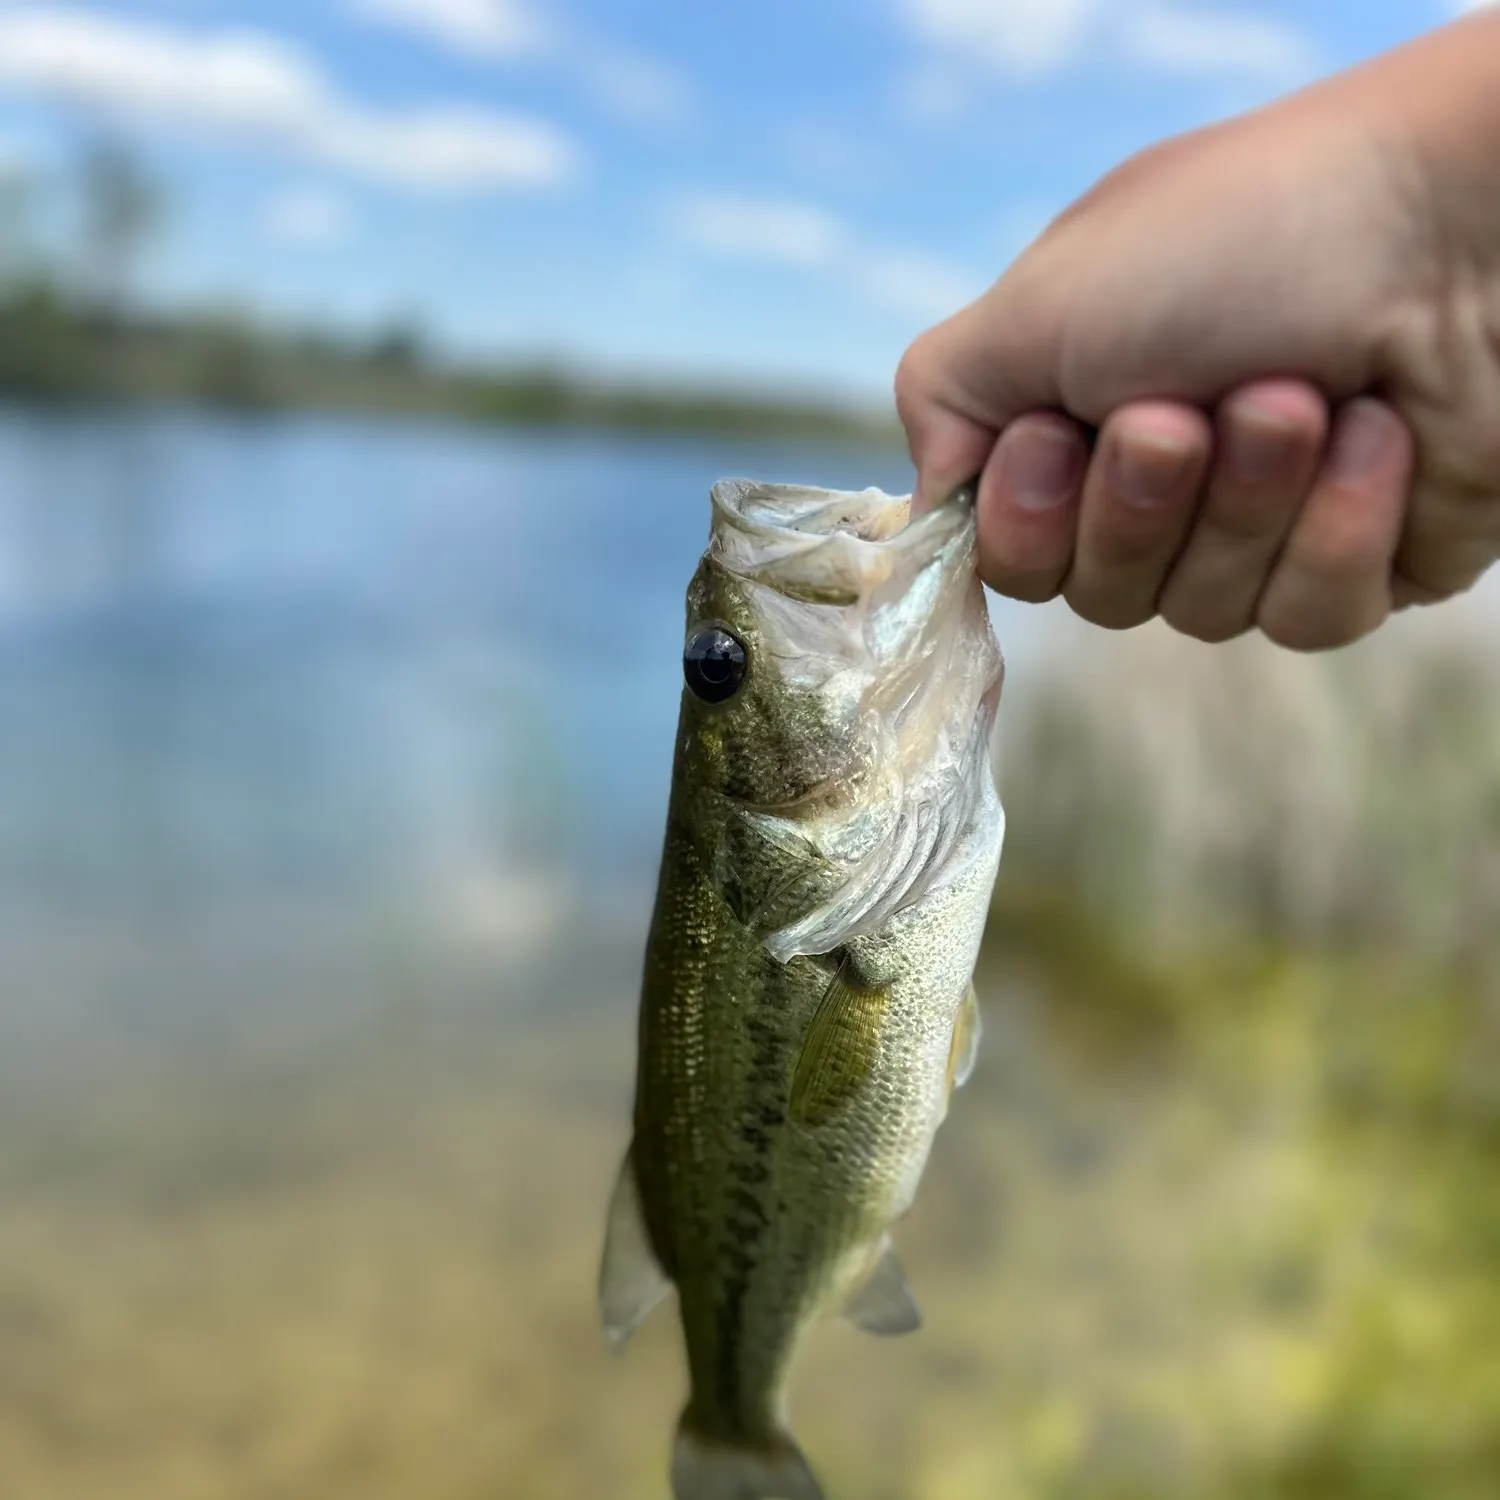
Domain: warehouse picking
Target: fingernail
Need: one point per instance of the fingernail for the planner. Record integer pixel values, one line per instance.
(1149, 469)
(1040, 467)
(1259, 446)
(1360, 441)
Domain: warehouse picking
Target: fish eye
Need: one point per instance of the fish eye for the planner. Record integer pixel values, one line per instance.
(714, 664)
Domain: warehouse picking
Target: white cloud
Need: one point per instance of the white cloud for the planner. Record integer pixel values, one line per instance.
(918, 284)
(626, 82)
(632, 85)
(482, 28)
(782, 232)
(308, 216)
(935, 94)
(808, 238)
(253, 86)
(1016, 35)
(1180, 39)
(1046, 36)
(834, 157)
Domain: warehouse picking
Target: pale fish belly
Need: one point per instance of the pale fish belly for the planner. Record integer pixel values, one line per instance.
(937, 942)
(840, 1186)
(835, 1189)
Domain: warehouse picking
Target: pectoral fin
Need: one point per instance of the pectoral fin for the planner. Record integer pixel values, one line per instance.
(884, 1304)
(631, 1282)
(841, 1049)
(967, 1031)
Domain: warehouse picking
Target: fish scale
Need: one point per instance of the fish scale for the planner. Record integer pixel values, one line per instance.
(832, 838)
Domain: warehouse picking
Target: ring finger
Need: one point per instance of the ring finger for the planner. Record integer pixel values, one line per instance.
(1270, 436)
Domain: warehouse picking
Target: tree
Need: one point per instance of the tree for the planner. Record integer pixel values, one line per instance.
(16, 191)
(122, 207)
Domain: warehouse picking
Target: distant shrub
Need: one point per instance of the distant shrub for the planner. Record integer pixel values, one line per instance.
(1190, 790)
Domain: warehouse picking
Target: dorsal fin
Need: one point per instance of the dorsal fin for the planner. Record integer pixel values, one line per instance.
(840, 1050)
(631, 1281)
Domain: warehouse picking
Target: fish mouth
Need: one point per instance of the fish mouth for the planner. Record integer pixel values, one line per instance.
(822, 546)
(901, 586)
(912, 614)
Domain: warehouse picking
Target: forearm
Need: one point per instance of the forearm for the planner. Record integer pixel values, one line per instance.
(1443, 93)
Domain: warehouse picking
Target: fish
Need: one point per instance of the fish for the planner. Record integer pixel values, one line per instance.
(807, 1005)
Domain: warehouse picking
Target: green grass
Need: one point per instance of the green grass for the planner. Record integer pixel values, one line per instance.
(1219, 1227)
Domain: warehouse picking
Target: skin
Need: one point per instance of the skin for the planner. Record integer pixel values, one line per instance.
(1252, 378)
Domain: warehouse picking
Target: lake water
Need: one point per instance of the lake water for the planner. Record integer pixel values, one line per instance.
(271, 677)
(283, 697)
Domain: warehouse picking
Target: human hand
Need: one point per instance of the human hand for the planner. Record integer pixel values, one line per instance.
(1253, 377)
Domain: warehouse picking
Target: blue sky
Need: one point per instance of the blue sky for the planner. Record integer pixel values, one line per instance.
(780, 192)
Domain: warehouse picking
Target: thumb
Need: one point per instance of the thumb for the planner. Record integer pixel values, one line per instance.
(961, 383)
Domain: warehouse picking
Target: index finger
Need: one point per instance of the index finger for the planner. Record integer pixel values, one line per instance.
(947, 447)
(963, 382)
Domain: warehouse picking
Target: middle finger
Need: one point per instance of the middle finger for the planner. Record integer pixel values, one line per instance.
(1269, 439)
(1138, 501)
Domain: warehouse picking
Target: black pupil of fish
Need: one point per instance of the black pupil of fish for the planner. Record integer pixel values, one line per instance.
(714, 665)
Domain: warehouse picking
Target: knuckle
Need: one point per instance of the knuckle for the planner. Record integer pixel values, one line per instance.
(1134, 548)
(1305, 627)
(1300, 630)
(1111, 610)
(1359, 548)
(1028, 588)
(1236, 524)
(1439, 573)
(1010, 577)
(1203, 620)
(1243, 518)
(1296, 426)
(1350, 530)
(1215, 633)
(1410, 590)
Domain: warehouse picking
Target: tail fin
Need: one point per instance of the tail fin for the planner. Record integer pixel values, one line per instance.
(703, 1469)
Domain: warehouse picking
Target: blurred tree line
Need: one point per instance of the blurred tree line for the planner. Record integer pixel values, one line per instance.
(74, 327)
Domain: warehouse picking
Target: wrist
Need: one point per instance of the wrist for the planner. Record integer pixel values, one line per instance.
(1443, 94)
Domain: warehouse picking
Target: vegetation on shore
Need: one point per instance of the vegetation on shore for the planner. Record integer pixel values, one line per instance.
(72, 328)
(56, 348)
(1237, 1243)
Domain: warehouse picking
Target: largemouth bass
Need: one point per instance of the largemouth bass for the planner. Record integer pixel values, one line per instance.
(807, 1007)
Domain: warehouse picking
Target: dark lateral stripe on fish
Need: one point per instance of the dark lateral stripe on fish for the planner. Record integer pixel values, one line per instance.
(751, 1221)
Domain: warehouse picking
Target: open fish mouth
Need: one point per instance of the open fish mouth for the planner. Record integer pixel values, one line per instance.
(907, 602)
(909, 606)
(827, 546)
